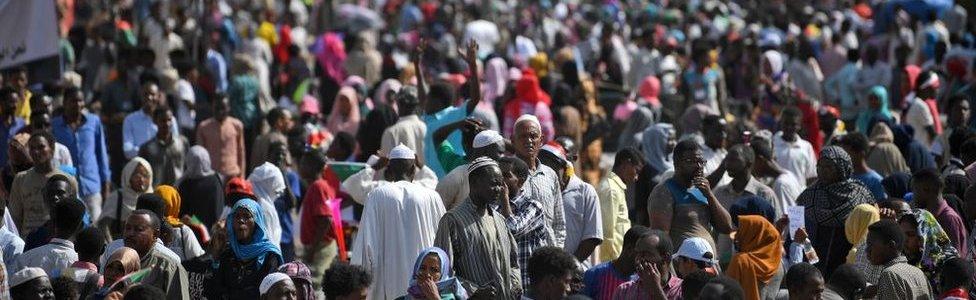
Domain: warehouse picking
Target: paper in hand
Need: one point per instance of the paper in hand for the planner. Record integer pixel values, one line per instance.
(795, 213)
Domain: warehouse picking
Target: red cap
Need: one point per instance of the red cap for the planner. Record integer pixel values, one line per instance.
(238, 185)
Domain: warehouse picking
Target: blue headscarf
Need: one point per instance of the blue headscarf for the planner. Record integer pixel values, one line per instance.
(448, 287)
(752, 206)
(260, 245)
(866, 119)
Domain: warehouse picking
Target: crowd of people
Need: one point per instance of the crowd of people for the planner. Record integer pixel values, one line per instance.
(389, 149)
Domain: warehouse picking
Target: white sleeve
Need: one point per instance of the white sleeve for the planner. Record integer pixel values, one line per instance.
(360, 184)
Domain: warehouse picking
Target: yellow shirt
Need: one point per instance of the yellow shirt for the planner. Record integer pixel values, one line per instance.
(613, 208)
(23, 108)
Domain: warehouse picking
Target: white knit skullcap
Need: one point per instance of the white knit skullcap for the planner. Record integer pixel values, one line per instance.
(402, 152)
(481, 162)
(270, 281)
(487, 137)
(529, 118)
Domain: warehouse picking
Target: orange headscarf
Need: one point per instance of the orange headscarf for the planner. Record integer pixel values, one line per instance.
(760, 254)
(173, 202)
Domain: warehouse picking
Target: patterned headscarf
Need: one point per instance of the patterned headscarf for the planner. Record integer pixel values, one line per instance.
(829, 204)
(936, 245)
(302, 277)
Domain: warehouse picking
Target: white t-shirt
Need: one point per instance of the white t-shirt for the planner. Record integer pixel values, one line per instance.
(787, 188)
(796, 157)
(919, 117)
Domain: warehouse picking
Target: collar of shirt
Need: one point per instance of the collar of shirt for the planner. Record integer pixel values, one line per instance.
(613, 179)
(943, 208)
(574, 184)
(413, 117)
(782, 142)
(896, 260)
(752, 186)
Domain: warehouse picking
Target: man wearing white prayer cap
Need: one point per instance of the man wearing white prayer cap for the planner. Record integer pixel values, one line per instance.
(401, 164)
(30, 283)
(543, 183)
(399, 219)
(454, 186)
(278, 286)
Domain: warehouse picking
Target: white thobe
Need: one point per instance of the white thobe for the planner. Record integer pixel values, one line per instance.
(366, 180)
(399, 220)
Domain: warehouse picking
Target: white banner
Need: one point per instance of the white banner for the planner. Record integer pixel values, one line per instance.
(28, 31)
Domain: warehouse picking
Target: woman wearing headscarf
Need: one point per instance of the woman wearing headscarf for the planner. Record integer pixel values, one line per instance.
(649, 90)
(201, 187)
(634, 128)
(656, 145)
(884, 156)
(856, 231)
(927, 245)
(828, 203)
(251, 255)
(183, 241)
(345, 112)
(759, 258)
(330, 53)
(916, 155)
(529, 99)
(302, 277)
(433, 277)
(877, 110)
(370, 135)
(269, 184)
(136, 180)
(122, 262)
(385, 91)
(775, 85)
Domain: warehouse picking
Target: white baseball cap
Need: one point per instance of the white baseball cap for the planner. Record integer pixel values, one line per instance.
(695, 249)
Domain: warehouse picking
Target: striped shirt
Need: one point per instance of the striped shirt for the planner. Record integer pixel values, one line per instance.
(632, 290)
(900, 280)
(481, 249)
(543, 185)
(529, 230)
(601, 281)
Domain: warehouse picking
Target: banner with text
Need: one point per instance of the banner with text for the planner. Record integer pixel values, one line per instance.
(28, 31)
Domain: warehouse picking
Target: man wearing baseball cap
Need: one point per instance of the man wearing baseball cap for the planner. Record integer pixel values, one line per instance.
(695, 254)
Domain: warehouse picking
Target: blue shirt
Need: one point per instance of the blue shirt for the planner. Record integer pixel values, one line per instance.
(137, 129)
(88, 152)
(872, 181)
(217, 66)
(435, 121)
(7, 133)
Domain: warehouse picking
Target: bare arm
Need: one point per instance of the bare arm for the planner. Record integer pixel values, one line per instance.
(474, 86)
(721, 219)
(585, 248)
(421, 85)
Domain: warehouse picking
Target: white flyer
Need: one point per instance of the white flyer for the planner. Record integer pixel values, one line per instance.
(795, 213)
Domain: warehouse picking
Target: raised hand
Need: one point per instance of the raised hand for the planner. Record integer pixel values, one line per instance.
(470, 53)
(418, 52)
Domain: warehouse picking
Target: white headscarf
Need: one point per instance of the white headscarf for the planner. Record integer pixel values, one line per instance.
(268, 185)
(775, 60)
(654, 147)
(129, 195)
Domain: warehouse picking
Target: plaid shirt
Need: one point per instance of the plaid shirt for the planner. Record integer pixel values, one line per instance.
(4, 288)
(528, 227)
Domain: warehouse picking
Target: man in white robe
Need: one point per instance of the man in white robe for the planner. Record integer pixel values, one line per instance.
(399, 219)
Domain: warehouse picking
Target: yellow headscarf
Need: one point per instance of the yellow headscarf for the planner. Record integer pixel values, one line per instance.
(856, 226)
(540, 64)
(268, 33)
(173, 202)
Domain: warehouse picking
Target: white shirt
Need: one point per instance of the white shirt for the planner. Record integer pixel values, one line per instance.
(581, 206)
(56, 255)
(919, 117)
(453, 188)
(119, 243)
(713, 159)
(185, 243)
(796, 157)
(359, 185)
(786, 188)
(62, 155)
(483, 32)
(409, 131)
(399, 220)
(12, 247)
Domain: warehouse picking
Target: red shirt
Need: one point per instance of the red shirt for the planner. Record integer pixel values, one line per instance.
(314, 206)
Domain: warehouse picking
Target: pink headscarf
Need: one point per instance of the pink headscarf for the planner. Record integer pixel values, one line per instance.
(331, 54)
(649, 90)
(496, 79)
(385, 88)
(350, 122)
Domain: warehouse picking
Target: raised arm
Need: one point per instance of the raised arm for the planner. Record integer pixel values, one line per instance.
(474, 83)
(416, 57)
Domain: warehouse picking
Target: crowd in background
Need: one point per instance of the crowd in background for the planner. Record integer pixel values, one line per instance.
(493, 149)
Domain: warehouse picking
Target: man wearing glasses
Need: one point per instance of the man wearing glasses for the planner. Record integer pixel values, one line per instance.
(684, 205)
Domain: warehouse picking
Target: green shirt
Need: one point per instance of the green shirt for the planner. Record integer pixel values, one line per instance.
(449, 158)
